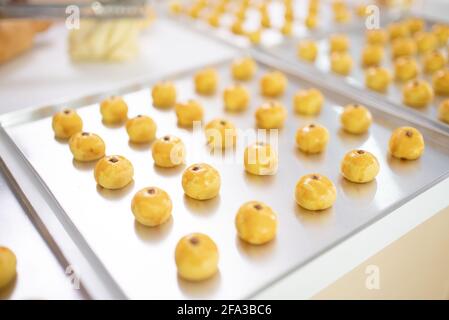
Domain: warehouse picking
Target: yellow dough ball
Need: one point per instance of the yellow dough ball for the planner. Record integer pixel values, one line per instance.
(377, 79)
(151, 206)
(206, 81)
(376, 37)
(243, 69)
(415, 25)
(372, 55)
(265, 21)
(287, 28)
(256, 223)
(417, 93)
(403, 47)
(443, 111)
(341, 63)
(254, 36)
(221, 134)
(398, 30)
(260, 159)
(359, 166)
(312, 138)
(315, 192)
(311, 21)
(405, 68)
(406, 143)
(342, 16)
(164, 94)
(270, 115)
(338, 43)
(196, 257)
(8, 266)
(168, 151)
(87, 146)
(66, 123)
(433, 61)
(426, 41)
(236, 98)
(356, 119)
(188, 113)
(307, 50)
(113, 172)
(308, 102)
(175, 7)
(362, 10)
(114, 110)
(237, 28)
(273, 84)
(440, 82)
(214, 20)
(141, 129)
(441, 31)
(201, 181)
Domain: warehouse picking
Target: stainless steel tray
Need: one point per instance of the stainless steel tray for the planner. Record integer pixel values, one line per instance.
(356, 80)
(140, 260)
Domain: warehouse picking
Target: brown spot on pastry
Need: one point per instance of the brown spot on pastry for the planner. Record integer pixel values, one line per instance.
(257, 207)
(360, 152)
(113, 160)
(223, 122)
(151, 191)
(139, 116)
(85, 134)
(195, 168)
(166, 138)
(194, 240)
(408, 133)
(356, 105)
(315, 177)
(311, 126)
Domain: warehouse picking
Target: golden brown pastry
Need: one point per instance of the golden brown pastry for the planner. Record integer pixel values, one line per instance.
(307, 50)
(243, 69)
(402, 47)
(441, 31)
(141, 129)
(433, 61)
(114, 110)
(377, 79)
(308, 101)
(372, 55)
(66, 123)
(311, 21)
(256, 223)
(113, 172)
(440, 82)
(341, 63)
(406, 143)
(405, 68)
(415, 25)
(273, 84)
(426, 41)
(376, 37)
(236, 98)
(87, 146)
(168, 151)
(271, 115)
(338, 43)
(16, 37)
(201, 181)
(443, 111)
(221, 134)
(206, 81)
(260, 159)
(315, 192)
(356, 119)
(8, 266)
(164, 94)
(188, 113)
(359, 166)
(312, 138)
(151, 206)
(398, 30)
(196, 257)
(417, 93)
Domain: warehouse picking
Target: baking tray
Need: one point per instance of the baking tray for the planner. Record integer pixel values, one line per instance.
(356, 80)
(140, 260)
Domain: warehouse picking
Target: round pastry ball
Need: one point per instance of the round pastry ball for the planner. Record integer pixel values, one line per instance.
(66, 123)
(201, 181)
(372, 55)
(398, 30)
(236, 98)
(189, 112)
(415, 25)
(87, 146)
(341, 63)
(406, 143)
(243, 69)
(168, 151)
(359, 166)
(308, 102)
(260, 159)
(256, 223)
(376, 37)
(433, 61)
(206, 81)
(114, 110)
(273, 84)
(417, 93)
(402, 47)
(196, 257)
(151, 206)
(254, 36)
(315, 192)
(426, 41)
(221, 134)
(113, 172)
(356, 119)
(141, 129)
(164, 94)
(338, 43)
(440, 82)
(307, 50)
(311, 21)
(405, 68)
(312, 138)
(377, 79)
(441, 31)
(443, 111)
(270, 115)
(8, 266)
